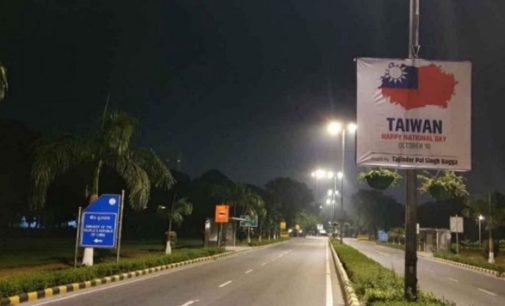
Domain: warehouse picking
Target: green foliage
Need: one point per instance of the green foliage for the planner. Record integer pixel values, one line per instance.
(374, 284)
(380, 178)
(4, 86)
(38, 281)
(307, 221)
(396, 234)
(443, 187)
(470, 261)
(111, 147)
(492, 207)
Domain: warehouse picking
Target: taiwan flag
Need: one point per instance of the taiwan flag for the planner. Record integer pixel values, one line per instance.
(415, 87)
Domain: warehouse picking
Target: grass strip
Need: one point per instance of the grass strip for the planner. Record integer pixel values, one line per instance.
(24, 283)
(470, 261)
(374, 284)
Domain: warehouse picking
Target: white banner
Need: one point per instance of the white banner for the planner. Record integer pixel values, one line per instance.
(414, 113)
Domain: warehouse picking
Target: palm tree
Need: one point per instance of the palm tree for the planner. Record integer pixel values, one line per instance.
(109, 147)
(3, 81)
(175, 214)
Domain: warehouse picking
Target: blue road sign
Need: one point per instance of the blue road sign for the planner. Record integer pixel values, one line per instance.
(99, 222)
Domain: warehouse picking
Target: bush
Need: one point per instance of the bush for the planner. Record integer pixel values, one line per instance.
(374, 284)
(470, 261)
(38, 281)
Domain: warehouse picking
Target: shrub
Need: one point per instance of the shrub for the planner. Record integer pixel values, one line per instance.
(374, 284)
(38, 281)
(470, 261)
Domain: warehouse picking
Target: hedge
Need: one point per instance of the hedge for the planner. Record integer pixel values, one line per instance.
(469, 261)
(38, 281)
(374, 284)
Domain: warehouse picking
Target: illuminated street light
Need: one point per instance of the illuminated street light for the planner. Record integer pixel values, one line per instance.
(328, 201)
(336, 128)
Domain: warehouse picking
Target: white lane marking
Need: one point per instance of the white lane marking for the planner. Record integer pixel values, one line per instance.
(382, 253)
(190, 302)
(263, 263)
(225, 284)
(453, 279)
(488, 292)
(248, 271)
(329, 291)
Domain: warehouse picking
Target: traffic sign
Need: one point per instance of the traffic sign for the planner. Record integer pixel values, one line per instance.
(222, 213)
(99, 222)
(249, 221)
(456, 224)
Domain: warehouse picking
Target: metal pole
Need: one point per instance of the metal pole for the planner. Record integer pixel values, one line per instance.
(342, 189)
(77, 235)
(480, 233)
(120, 227)
(410, 289)
(489, 224)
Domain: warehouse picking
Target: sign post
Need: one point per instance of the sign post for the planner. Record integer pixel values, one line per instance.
(456, 227)
(222, 215)
(99, 222)
(120, 229)
(77, 235)
(413, 114)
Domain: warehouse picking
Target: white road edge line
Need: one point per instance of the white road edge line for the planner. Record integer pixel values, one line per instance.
(225, 284)
(488, 292)
(190, 302)
(453, 279)
(329, 290)
(248, 271)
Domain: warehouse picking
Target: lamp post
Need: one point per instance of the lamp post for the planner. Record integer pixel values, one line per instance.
(336, 128)
(481, 217)
(321, 174)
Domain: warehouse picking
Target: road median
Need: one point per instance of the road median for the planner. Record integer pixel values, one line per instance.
(372, 283)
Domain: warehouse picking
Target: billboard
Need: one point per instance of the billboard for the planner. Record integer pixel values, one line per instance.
(414, 113)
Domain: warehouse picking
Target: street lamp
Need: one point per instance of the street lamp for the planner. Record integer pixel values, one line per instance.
(481, 218)
(322, 174)
(336, 128)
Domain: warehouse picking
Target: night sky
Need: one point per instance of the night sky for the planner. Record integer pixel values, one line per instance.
(240, 86)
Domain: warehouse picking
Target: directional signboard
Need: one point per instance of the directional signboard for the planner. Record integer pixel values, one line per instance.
(99, 222)
(249, 221)
(456, 224)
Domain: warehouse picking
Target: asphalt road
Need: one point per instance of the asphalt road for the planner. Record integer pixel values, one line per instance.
(299, 272)
(459, 285)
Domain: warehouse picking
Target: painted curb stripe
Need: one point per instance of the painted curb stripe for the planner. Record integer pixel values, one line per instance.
(49, 292)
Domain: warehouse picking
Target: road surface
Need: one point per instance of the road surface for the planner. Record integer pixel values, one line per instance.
(459, 285)
(292, 273)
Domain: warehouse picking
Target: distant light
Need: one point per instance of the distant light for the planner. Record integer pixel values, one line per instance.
(330, 174)
(334, 128)
(328, 201)
(340, 175)
(290, 230)
(481, 217)
(352, 127)
(330, 192)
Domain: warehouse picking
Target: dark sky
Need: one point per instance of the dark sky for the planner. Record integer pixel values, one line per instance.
(241, 86)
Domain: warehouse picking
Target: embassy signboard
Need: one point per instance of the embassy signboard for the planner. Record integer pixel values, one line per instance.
(414, 113)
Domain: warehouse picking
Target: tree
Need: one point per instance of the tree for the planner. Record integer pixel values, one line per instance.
(4, 86)
(492, 207)
(288, 197)
(175, 214)
(307, 221)
(110, 147)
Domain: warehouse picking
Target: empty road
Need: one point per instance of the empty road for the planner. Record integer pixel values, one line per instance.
(459, 285)
(299, 272)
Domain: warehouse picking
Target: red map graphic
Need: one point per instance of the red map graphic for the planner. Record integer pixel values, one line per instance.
(434, 87)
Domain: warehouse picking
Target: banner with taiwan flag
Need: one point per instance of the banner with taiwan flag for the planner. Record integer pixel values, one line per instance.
(414, 113)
